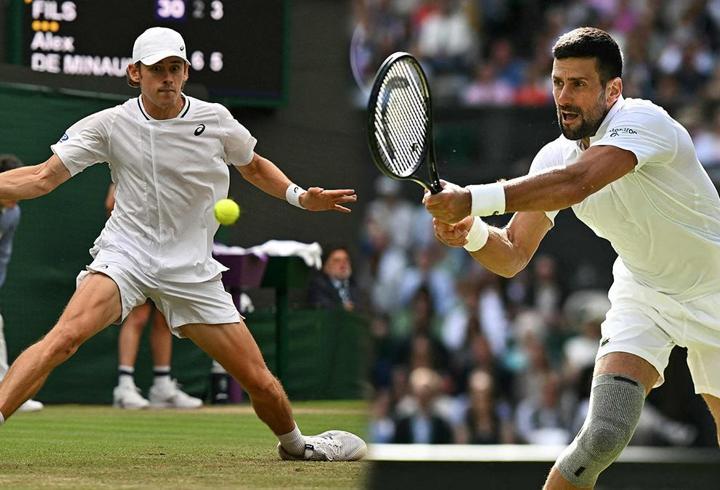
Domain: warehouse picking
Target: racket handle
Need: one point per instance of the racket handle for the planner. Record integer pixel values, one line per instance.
(435, 186)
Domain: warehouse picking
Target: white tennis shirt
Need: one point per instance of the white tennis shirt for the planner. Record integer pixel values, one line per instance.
(169, 174)
(662, 218)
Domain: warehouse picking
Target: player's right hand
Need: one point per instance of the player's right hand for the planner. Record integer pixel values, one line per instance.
(453, 235)
(450, 205)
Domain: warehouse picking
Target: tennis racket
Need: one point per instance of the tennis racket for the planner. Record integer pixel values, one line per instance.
(400, 122)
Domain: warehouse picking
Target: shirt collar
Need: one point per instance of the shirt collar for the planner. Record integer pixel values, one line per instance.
(147, 116)
(606, 122)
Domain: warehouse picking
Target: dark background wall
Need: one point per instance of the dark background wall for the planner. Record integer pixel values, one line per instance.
(318, 139)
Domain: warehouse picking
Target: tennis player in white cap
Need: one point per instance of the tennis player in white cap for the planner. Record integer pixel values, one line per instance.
(169, 156)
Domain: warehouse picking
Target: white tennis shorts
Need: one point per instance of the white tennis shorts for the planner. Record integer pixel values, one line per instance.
(649, 324)
(182, 303)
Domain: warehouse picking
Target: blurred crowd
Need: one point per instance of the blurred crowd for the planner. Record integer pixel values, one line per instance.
(497, 52)
(461, 355)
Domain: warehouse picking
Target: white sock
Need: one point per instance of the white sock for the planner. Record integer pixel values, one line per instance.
(293, 441)
(126, 376)
(2, 419)
(161, 375)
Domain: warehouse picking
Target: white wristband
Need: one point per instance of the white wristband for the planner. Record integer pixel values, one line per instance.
(487, 199)
(478, 235)
(292, 195)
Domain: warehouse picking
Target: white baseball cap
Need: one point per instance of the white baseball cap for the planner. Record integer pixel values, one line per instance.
(158, 43)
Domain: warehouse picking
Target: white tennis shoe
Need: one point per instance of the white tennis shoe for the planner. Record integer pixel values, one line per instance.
(128, 396)
(31, 406)
(333, 445)
(169, 395)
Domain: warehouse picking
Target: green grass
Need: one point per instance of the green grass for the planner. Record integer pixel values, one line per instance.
(89, 447)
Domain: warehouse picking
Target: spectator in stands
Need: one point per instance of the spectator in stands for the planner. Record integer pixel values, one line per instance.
(388, 230)
(462, 322)
(486, 421)
(535, 89)
(419, 345)
(424, 425)
(333, 287)
(540, 419)
(446, 42)
(9, 221)
(382, 426)
(486, 88)
(429, 272)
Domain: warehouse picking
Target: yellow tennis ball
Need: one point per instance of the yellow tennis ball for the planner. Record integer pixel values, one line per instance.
(227, 211)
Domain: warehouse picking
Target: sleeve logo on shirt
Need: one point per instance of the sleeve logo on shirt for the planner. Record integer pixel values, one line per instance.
(64, 137)
(618, 131)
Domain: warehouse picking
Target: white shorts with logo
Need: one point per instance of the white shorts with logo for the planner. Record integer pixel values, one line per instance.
(181, 303)
(649, 324)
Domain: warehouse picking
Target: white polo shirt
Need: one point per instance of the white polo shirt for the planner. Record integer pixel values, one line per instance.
(662, 218)
(169, 174)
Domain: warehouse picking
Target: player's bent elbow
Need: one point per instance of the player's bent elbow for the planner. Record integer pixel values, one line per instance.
(508, 270)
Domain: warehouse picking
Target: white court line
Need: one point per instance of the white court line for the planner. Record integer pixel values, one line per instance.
(528, 453)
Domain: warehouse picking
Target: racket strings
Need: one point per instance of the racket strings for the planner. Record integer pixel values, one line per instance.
(401, 119)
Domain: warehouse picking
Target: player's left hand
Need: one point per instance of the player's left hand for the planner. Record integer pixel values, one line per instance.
(453, 235)
(450, 205)
(319, 199)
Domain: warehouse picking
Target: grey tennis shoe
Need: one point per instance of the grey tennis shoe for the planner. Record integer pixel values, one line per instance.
(333, 445)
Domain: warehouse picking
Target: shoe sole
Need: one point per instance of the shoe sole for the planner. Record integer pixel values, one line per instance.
(128, 407)
(170, 405)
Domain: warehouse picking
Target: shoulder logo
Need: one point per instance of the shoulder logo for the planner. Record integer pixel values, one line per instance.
(618, 131)
(199, 130)
(64, 137)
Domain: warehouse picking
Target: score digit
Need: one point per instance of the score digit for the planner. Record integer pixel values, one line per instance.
(170, 9)
(216, 10)
(216, 61)
(197, 60)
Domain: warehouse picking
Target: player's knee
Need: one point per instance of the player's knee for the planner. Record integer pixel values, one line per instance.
(605, 441)
(60, 344)
(616, 403)
(263, 386)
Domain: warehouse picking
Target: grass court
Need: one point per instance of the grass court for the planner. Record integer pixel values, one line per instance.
(91, 447)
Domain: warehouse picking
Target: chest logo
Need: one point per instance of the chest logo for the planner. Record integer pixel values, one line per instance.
(199, 130)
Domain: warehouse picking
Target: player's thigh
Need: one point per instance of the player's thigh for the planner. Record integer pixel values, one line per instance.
(630, 365)
(94, 305)
(233, 346)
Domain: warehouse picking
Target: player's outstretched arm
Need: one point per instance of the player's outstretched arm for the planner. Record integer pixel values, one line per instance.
(33, 180)
(506, 251)
(550, 190)
(267, 177)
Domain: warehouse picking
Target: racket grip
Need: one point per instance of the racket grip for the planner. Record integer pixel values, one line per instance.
(435, 186)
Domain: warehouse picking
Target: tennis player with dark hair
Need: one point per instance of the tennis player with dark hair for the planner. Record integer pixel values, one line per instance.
(630, 172)
(169, 156)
